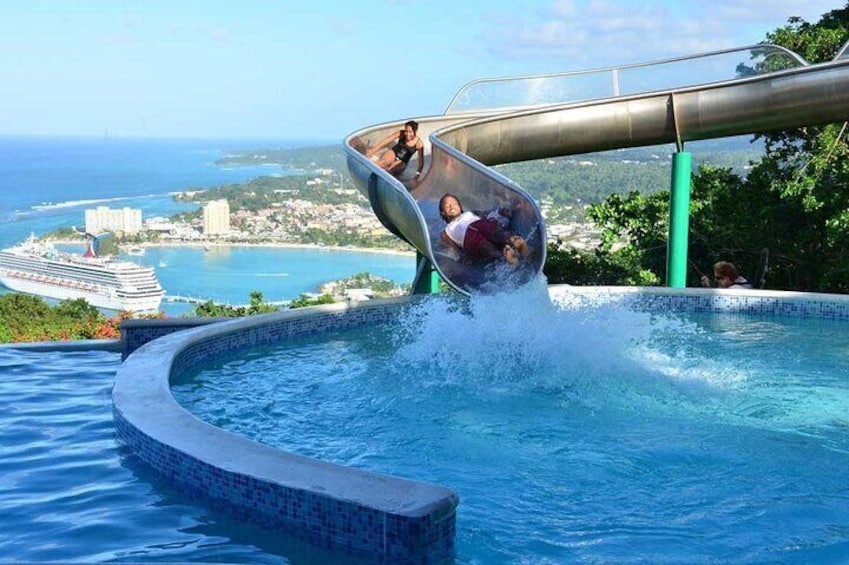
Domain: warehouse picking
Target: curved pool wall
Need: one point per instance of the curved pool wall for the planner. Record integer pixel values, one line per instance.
(350, 510)
(355, 511)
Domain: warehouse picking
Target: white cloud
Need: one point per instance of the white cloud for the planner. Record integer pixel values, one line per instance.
(592, 33)
(811, 10)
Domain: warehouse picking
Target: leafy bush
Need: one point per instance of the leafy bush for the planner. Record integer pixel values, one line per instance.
(27, 318)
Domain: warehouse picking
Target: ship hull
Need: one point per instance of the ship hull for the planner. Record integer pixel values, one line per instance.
(37, 268)
(98, 299)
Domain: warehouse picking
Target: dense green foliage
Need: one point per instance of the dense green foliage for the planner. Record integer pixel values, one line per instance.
(590, 178)
(563, 180)
(304, 301)
(25, 318)
(380, 286)
(268, 192)
(794, 201)
(257, 305)
(296, 159)
(107, 245)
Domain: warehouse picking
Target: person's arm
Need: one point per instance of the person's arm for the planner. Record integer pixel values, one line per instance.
(420, 151)
(381, 144)
(448, 240)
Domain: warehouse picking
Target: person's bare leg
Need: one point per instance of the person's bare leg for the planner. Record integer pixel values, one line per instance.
(387, 160)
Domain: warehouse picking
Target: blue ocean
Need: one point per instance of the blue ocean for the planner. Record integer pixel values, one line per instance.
(48, 182)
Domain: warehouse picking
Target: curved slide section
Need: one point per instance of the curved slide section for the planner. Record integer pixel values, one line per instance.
(409, 208)
(460, 148)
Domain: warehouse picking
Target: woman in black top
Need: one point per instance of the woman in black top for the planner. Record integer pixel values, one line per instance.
(395, 159)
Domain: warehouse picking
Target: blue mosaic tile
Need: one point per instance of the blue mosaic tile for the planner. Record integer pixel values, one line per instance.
(323, 521)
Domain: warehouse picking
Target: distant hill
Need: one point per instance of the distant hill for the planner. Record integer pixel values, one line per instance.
(577, 179)
(297, 158)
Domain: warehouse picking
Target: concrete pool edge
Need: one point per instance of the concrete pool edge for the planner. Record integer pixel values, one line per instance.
(352, 510)
(332, 506)
(110, 345)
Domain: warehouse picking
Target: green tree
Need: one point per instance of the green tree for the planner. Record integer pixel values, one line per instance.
(78, 309)
(794, 201)
(305, 301)
(257, 305)
(20, 313)
(29, 318)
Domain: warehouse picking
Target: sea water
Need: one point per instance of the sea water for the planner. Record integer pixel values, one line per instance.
(48, 183)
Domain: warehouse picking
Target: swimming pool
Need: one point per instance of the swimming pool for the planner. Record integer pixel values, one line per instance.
(594, 433)
(70, 492)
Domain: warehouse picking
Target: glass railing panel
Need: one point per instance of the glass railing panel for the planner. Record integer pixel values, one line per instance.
(843, 53)
(561, 88)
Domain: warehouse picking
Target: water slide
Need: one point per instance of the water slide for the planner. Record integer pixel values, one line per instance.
(748, 90)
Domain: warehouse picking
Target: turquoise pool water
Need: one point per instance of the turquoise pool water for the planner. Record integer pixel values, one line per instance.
(69, 492)
(574, 434)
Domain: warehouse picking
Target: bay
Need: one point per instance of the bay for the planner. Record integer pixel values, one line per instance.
(47, 183)
(228, 275)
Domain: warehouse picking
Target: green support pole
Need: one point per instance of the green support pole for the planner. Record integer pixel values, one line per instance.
(679, 221)
(427, 279)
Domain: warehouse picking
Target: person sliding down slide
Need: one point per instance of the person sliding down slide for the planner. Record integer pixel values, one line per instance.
(483, 237)
(407, 144)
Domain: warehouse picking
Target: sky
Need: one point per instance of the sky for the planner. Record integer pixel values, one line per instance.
(321, 69)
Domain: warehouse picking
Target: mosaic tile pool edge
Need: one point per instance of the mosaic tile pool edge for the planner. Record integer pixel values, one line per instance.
(756, 302)
(414, 535)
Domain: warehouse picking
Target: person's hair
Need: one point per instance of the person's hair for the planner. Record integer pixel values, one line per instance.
(725, 269)
(441, 200)
(413, 124)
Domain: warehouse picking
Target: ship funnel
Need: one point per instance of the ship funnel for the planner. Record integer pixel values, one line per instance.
(93, 247)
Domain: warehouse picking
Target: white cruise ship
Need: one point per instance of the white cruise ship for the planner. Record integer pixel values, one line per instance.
(38, 268)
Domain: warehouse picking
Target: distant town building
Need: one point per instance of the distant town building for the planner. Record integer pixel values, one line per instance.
(159, 225)
(103, 219)
(216, 217)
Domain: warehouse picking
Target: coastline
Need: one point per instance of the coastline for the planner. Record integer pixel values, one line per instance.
(278, 245)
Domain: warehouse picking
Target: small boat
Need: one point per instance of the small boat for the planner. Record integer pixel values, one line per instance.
(137, 251)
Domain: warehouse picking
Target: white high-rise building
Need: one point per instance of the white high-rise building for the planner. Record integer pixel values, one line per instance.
(216, 217)
(103, 219)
